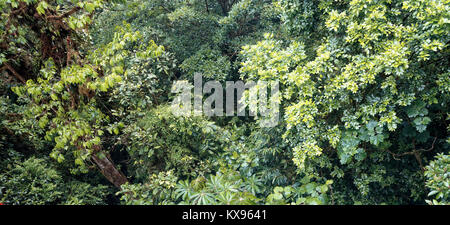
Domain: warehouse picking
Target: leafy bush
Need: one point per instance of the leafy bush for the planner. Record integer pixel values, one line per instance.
(36, 182)
(158, 190)
(161, 141)
(438, 180)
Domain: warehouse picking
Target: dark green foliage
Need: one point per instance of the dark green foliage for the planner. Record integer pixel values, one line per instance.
(161, 141)
(35, 182)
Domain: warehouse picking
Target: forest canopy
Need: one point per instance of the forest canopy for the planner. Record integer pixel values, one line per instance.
(86, 98)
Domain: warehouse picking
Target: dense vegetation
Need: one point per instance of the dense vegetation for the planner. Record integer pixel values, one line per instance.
(85, 98)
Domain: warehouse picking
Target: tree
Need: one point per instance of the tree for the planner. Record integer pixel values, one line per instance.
(374, 83)
(65, 93)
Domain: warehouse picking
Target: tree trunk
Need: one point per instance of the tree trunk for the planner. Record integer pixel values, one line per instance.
(108, 170)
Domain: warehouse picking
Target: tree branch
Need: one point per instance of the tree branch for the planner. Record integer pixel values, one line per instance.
(66, 14)
(17, 75)
(414, 152)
